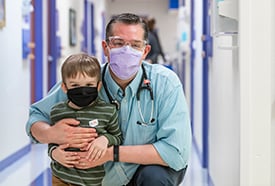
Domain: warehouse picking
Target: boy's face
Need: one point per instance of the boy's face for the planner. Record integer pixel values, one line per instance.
(80, 81)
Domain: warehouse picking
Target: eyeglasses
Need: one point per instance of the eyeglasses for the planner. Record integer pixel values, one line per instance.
(117, 42)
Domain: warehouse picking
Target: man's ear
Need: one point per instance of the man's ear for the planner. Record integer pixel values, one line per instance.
(105, 50)
(146, 51)
(64, 88)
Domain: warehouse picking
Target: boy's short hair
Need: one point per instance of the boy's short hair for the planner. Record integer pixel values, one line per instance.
(80, 63)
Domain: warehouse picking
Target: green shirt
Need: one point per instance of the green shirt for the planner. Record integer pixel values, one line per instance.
(99, 115)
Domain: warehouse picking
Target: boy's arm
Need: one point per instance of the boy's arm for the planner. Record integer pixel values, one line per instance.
(113, 134)
(98, 147)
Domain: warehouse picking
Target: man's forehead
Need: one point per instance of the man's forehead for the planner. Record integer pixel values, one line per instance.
(128, 31)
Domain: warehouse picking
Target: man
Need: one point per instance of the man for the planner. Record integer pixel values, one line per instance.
(153, 114)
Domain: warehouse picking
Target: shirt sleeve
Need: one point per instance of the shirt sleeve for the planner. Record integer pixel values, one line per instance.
(114, 135)
(40, 111)
(174, 133)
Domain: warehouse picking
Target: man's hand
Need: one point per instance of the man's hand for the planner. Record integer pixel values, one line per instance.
(66, 131)
(67, 159)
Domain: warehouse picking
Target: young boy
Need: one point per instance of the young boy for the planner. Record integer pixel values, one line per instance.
(81, 81)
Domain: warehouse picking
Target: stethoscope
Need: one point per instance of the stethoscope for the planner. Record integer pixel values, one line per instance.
(143, 85)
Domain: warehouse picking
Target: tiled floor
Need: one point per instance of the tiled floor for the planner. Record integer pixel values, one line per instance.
(32, 170)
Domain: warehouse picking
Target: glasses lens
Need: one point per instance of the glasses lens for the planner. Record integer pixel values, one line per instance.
(137, 45)
(117, 42)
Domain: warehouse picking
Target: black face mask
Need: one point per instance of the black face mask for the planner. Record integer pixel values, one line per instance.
(82, 96)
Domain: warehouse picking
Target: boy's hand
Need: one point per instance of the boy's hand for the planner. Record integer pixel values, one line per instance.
(65, 158)
(97, 148)
(84, 163)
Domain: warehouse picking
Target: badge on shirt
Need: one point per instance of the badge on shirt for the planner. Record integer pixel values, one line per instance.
(93, 123)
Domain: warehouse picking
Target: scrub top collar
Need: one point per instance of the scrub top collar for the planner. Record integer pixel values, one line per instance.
(114, 89)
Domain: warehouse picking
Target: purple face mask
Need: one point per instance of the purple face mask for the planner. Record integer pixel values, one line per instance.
(124, 61)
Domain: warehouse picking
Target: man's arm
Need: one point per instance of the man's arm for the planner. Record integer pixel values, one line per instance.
(39, 129)
(138, 154)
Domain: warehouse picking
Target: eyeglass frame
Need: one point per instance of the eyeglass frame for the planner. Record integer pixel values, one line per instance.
(130, 43)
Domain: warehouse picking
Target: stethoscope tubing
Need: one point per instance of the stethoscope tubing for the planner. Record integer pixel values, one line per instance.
(141, 87)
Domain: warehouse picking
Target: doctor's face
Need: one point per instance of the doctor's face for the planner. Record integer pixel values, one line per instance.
(126, 34)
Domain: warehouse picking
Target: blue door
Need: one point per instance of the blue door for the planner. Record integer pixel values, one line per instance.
(206, 55)
(54, 43)
(36, 51)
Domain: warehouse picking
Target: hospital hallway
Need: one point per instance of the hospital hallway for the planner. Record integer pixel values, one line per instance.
(32, 169)
(222, 52)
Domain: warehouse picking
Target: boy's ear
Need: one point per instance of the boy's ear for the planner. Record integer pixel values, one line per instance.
(64, 88)
(99, 86)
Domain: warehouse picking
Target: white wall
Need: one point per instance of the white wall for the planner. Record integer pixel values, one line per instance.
(224, 115)
(257, 92)
(15, 83)
(272, 68)
(224, 98)
(63, 11)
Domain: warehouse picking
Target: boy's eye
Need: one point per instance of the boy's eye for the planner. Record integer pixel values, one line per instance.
(74, 85)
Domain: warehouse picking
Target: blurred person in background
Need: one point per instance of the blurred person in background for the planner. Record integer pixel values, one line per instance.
(156, 51)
